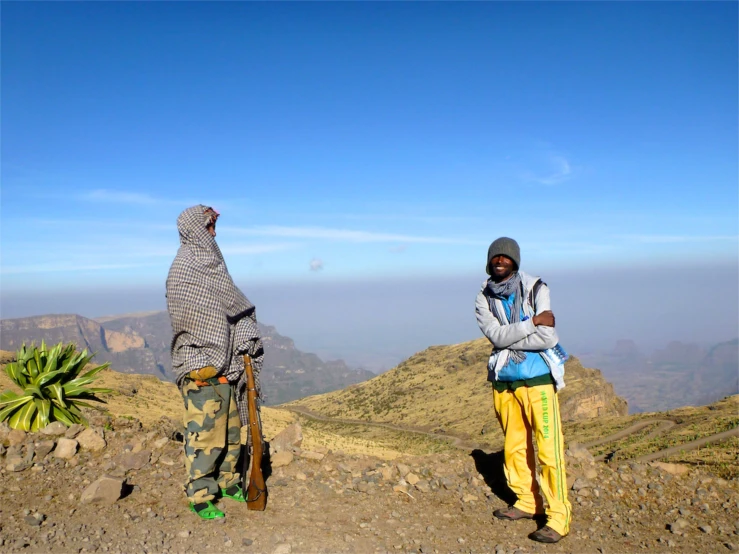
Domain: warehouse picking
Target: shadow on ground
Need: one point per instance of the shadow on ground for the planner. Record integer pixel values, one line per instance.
(490, 466)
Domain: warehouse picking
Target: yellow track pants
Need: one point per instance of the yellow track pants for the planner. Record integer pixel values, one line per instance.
(531, 412)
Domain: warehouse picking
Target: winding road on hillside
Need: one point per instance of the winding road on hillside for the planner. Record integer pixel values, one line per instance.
(664, 426)
(457, 442)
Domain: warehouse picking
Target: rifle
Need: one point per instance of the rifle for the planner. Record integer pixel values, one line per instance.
(256, 490)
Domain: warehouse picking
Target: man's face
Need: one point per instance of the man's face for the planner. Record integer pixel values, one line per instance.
(211, 227)
(501, 268)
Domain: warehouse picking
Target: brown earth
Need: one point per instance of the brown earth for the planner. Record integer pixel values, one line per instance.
(343, 491)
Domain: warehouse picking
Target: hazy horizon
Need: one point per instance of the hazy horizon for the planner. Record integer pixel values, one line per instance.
(376, 323)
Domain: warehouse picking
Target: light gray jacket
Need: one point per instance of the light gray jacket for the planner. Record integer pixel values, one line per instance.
(524, 335)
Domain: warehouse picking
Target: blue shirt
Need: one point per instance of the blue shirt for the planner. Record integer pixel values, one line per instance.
(533, 366)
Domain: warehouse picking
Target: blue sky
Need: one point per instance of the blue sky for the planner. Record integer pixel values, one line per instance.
(347, 141)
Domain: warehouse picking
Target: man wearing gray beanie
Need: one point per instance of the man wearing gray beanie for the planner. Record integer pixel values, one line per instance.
(526, 368)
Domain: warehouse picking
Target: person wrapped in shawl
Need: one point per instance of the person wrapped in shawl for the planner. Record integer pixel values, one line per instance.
(214, 325)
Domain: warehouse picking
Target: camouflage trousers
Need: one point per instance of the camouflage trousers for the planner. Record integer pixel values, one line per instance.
(212, 439)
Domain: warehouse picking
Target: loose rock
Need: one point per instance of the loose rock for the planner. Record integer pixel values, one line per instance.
(89, 439)
(65, 448)
(106, 490)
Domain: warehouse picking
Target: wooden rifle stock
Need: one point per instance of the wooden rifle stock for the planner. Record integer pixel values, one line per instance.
(256, 491)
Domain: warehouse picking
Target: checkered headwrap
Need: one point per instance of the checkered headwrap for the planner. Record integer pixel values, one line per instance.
(213, 323)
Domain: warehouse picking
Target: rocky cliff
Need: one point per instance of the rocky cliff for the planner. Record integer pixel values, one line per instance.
(140, 344)
(126, 352)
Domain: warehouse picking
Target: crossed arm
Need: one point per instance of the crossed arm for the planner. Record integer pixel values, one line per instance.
(537, 333)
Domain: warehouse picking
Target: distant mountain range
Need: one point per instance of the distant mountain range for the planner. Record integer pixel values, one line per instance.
(139, 343)
(678, 375)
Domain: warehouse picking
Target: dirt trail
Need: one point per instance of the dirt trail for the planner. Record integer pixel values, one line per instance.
(665, 425)
(457, 442)
(689, 445)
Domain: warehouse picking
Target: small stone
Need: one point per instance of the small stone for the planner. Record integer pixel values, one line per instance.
(132, 460)
(469, 498)
(16, 463)
(315, 456)
(579, 452)
(43, 448)
(183, 534)
(54, 429)
(4, 431)
(16, 437)
(287, 439)
(246, 542)
(106, 490)
(679, 526)
(460, 540)
(448, 484)
(283, 548)
(281, 459)
(580, 484)
(730, 546)
(65, 448)
(300, 476)
(403, 469)
(34, 520)
(423, 486)
(707, 529)
(89, 439)
(74, 430)
(412, 478)
(671, 469)
(161, 443)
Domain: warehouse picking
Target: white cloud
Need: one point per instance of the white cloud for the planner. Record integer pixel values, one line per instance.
(142, 199)
(668, 239)
(316, 264)
(345, 235)
(106, 195)
(48, 268)
(255, 249)
(558, 170)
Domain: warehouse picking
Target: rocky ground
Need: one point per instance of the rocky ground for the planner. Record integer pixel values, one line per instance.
(116, 487)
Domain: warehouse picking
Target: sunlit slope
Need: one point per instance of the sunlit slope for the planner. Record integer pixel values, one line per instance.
(445, 387)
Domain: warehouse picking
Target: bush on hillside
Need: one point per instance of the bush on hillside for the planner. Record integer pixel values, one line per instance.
(54, 387)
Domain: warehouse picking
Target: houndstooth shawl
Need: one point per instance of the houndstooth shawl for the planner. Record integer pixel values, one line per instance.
(213, 323)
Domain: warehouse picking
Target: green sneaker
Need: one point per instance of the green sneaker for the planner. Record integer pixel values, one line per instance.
(234, 492)
(206, 510)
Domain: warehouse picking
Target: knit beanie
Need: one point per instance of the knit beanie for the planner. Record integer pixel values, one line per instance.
(506, 247)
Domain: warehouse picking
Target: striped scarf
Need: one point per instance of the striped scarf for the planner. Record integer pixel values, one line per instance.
(501, 291)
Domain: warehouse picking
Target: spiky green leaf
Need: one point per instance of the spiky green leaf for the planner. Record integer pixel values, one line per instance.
(10, 406)
(44, 409)
(63, 415)
(22, 418)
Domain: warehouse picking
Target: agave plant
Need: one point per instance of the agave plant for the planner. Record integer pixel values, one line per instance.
(54, 387)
